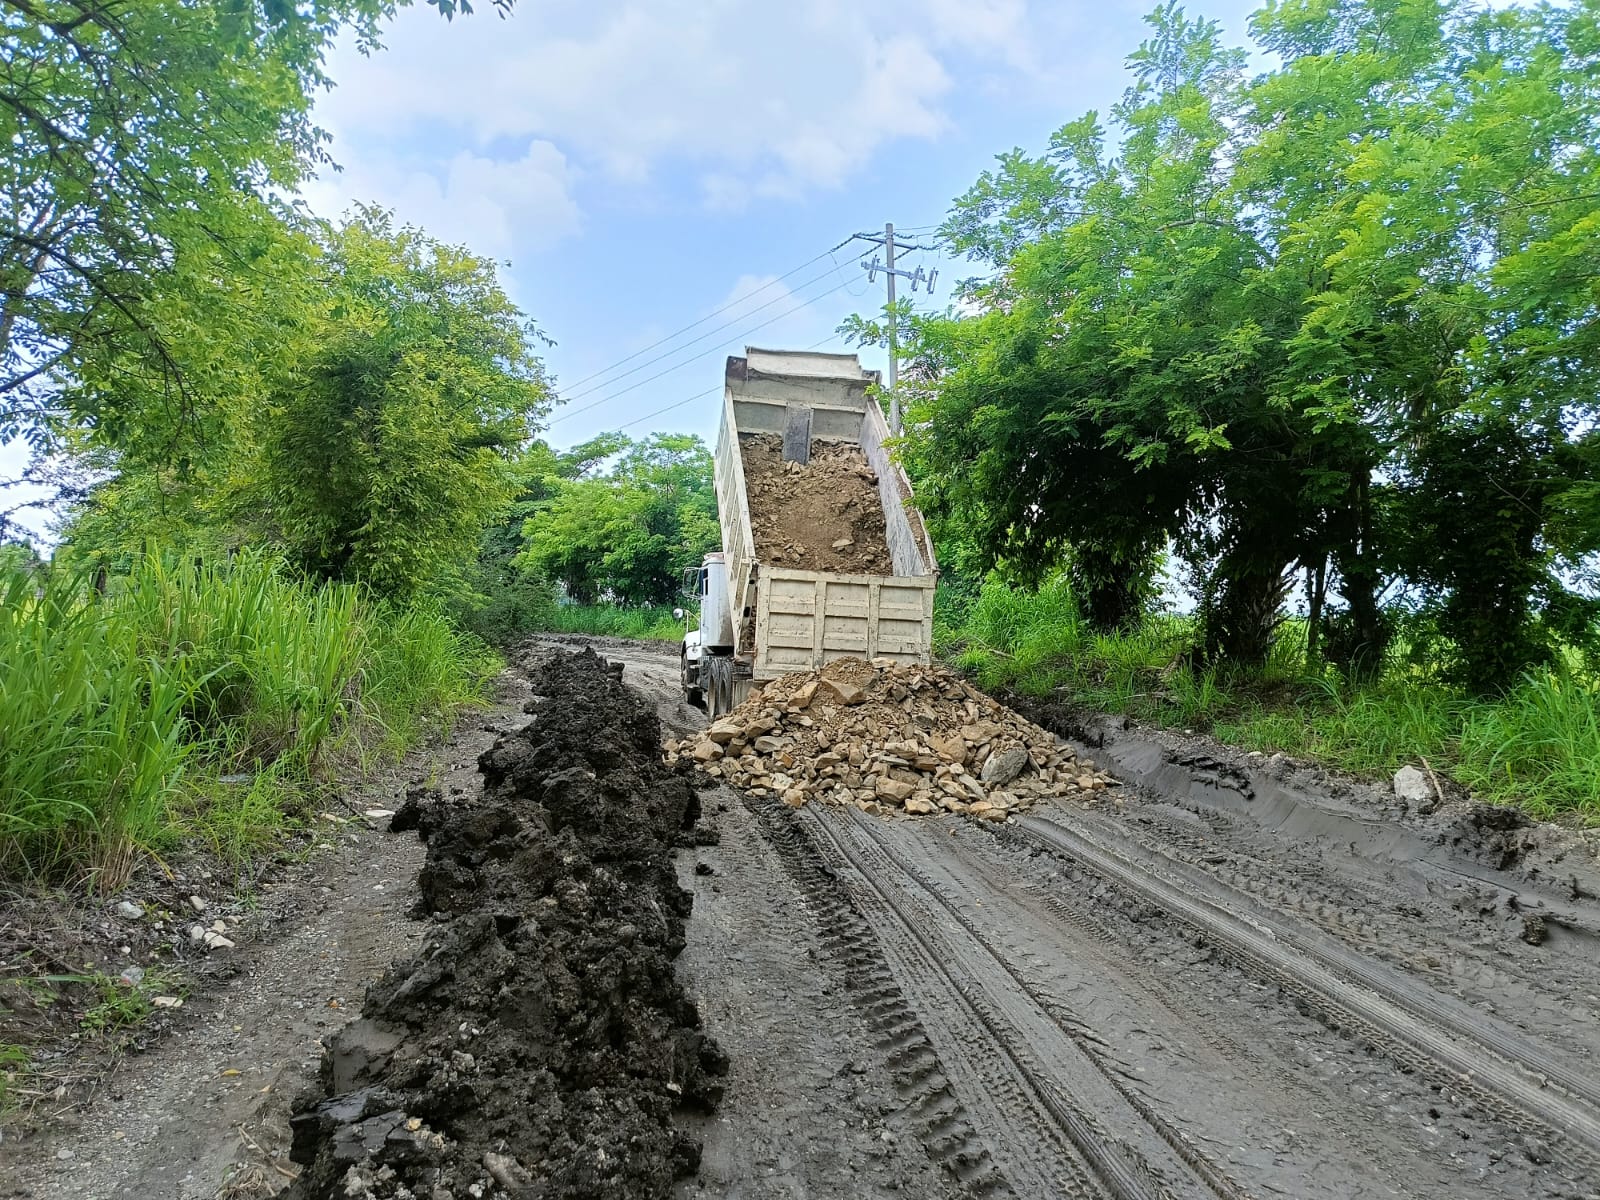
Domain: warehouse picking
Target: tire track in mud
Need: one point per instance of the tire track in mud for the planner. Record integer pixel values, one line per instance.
(1148, 1157)
(1373, 920)
(1412, 1023)
(928, 1093)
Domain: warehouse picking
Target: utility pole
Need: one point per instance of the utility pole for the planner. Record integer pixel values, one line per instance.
(889, 272)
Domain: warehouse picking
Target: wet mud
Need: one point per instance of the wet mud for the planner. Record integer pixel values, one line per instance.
(539, 1044)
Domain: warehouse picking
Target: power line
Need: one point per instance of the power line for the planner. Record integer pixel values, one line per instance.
(730, 304)
(649, 362)
(670, 407)
(702, 395)
(679, 366)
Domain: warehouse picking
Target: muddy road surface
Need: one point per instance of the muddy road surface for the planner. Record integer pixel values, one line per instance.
(1238, 978)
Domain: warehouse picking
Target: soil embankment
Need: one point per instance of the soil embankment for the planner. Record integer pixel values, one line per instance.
(538, 1045)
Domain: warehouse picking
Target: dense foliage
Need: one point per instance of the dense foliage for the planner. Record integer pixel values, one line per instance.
(628, 533)
(122, 713)
(1338, 322)
(146, 149)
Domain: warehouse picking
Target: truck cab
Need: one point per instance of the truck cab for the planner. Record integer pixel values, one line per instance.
(712, 637)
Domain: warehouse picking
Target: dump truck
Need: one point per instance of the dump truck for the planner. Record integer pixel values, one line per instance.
(766, 615)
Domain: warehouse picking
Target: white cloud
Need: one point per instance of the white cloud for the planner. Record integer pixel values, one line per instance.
(744, 94)
(495, 207)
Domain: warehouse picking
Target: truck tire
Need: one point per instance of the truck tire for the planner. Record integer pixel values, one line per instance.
(692, 692)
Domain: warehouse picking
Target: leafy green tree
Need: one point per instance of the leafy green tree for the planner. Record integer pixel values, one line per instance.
(145, 143)
(630, 533)
(1261, 325)
(388, 451)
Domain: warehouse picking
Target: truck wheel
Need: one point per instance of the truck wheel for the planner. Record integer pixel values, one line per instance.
(692, 693)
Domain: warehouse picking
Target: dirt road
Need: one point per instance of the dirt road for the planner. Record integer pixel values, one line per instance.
(1241, 980)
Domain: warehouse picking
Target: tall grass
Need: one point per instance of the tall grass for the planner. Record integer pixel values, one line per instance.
(194, 701)
(1537, 746)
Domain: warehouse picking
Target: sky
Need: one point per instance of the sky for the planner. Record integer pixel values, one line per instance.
(642, 166)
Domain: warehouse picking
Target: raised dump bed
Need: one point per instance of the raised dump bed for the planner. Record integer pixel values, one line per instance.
(805, 488)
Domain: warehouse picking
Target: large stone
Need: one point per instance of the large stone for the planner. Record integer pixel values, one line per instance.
(837, 691)
(1414, 787)
(893, 789)
(724, 732)
(1001, 768)
(705, 752)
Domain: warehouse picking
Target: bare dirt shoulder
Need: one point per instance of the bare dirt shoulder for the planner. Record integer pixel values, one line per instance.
(200, 1108)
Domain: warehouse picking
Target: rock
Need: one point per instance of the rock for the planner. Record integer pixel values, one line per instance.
(166, 1001)
(893, 789)
(920, 806)
(1000, 769)
(1412, 786)
(198, 903)
(129, 910)
(837, 691)
(705, 752)
(725, 731)
(844, 543)
(768, 744)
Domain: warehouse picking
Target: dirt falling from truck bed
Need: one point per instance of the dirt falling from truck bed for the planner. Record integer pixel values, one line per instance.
(539, 1044)
(824, 516)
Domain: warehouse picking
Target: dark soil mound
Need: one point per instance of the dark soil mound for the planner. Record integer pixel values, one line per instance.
(539, 1044)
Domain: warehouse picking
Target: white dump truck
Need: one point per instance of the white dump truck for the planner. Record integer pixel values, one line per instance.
(764, 614)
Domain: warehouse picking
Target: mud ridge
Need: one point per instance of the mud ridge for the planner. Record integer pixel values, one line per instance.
(538, 1045)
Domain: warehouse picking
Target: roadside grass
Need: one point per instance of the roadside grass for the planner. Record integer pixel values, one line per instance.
(199, 702)
(645, 623)
(14, 1064)
(1537, 746)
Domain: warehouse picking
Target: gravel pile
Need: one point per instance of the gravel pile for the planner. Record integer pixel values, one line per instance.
(888, 736)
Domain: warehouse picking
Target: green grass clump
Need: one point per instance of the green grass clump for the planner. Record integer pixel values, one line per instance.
(197, 701)
(645, 623)
(1537, 746)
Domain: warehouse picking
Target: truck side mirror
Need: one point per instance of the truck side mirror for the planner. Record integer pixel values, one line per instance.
(677, 614)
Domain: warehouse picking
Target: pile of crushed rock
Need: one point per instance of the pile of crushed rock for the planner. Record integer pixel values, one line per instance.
(888, 736)
(539, 1045)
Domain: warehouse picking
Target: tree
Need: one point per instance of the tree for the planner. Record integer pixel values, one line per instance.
(1257, 326)
(146, 143)
(386, 451)
(628, 534)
